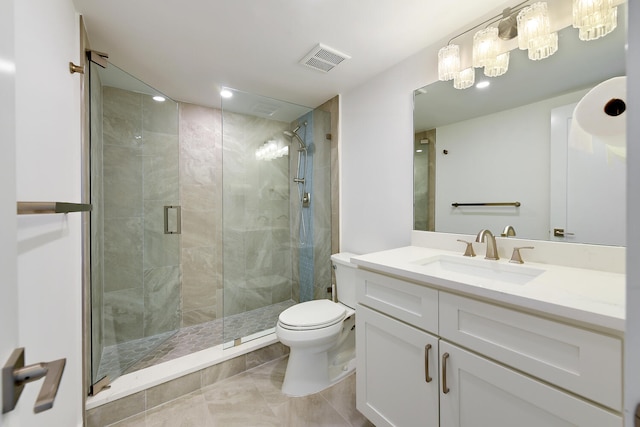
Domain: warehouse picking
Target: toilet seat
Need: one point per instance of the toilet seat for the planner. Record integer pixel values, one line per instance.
(311, 315)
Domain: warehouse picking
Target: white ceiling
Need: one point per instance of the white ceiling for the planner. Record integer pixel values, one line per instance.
(188, 49)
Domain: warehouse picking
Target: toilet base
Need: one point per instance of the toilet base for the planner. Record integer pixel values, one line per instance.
(310, 371)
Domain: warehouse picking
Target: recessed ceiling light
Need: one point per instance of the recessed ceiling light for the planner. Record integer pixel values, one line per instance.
(159, 98)
(483, 84)
(226, 93)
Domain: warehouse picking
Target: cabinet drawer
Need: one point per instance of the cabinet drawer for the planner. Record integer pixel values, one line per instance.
(578, 360)
(409, 302)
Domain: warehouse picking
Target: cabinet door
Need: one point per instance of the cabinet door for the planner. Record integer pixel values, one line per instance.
(484, 393)
(397, 372)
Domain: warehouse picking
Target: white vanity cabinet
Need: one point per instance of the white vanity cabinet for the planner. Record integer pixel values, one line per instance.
(397, 359)
(397, 365)
(480, 392)
(489, 365)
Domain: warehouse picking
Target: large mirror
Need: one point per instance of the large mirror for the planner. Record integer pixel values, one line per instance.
(511, 143)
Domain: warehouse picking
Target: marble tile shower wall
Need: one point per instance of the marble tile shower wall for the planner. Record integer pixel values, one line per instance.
(257, 255)
(140, 175)
(322, 203)
(201, 191)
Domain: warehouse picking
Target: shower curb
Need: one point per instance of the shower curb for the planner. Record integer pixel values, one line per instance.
(144, 400)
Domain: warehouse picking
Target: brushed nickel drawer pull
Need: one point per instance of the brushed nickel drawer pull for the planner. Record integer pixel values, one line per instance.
(445, 389)
(427, 348)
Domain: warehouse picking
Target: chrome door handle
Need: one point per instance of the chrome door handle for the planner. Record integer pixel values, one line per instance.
(15, 375)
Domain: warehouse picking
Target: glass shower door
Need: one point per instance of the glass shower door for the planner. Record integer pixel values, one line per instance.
(258, 244)
(135, 222)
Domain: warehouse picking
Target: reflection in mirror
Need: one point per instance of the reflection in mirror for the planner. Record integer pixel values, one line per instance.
(509, 142)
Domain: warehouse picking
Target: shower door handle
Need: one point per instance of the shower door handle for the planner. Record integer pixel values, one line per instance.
(178, 228)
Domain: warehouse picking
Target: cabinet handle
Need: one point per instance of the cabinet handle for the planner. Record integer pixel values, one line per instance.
(445, 389)
(427, 348)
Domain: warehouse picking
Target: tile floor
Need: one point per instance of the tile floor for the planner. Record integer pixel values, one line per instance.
(253, 399)
(126, 357)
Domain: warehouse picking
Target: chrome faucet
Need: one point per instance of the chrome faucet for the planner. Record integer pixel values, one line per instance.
(492, 249)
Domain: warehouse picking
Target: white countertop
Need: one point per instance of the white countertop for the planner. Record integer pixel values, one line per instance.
(595, 298)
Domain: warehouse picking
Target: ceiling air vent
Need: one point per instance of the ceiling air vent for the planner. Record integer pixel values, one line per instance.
(323, 58)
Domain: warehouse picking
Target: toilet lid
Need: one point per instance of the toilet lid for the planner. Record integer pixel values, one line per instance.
(312, 314)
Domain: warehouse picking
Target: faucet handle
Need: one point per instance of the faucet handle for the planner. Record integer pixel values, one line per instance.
(469, 249)
(508, 231)
(515, 257)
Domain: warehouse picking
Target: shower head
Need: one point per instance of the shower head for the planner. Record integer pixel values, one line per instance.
(294, 134)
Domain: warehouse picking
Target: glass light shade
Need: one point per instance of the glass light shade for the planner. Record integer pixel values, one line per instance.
(498, 66)
(594, 18)
(465, 78)
(533, 22)
(543, 47)
(448, 62)
(485, 46)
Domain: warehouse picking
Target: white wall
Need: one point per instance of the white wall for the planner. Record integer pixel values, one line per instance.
(377, 157)
(376, 173)
(632, 339)
(8, 288)
(511, 156)
(48, 169)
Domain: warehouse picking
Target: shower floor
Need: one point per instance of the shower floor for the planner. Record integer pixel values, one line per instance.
(124, 358)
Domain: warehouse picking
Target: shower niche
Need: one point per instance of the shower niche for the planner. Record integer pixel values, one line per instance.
(206, 223)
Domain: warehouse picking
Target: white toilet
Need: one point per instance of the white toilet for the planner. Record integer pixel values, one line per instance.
(321, 335)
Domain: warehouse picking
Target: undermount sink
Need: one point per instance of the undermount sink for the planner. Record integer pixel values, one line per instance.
(447, 265)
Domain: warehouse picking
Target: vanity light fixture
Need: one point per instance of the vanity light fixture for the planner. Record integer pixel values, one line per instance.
(465, 78)
(448, 62)
(594, 18)
(272, 150)
(485, 46)
(498, 66)
(534, 32)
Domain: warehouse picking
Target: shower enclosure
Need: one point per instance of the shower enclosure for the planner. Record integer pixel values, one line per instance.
(272, 198)
(206, 222)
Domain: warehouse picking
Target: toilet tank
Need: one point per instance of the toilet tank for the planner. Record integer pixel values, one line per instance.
(345, 278)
